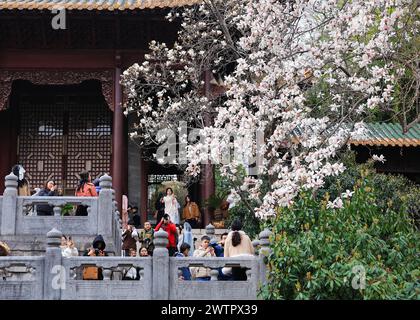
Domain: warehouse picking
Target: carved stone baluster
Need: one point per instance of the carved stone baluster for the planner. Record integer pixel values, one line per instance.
(107, 272)
(210, 231)
(57, 210)
(248, 274)
(214, 273)
(256, 244)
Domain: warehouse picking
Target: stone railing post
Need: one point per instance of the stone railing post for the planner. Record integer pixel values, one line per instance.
(160, 288)
(256, 244)
(264, 252)
(54, 273)
(105, 206)
(9, 207)
(210, 231)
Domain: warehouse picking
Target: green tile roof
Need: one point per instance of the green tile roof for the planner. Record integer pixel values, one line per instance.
(389, 134)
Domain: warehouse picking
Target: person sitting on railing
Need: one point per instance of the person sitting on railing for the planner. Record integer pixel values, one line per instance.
(205, 250)
(85, 188)
(183, 252)
(237, 244)
(49, 190)
(97, 250)
(170, 228)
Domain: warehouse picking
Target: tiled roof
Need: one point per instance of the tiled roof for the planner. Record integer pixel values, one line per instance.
(389, 134)
(92, 4)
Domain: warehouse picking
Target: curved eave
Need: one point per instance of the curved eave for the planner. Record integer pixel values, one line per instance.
(387, 142)
(92, 4)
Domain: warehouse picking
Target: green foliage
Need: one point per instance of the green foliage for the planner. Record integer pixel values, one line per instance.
(396, 191)
(242, 210)
(315, 248)
(216, 200)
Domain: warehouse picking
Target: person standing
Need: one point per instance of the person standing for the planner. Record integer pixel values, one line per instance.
(184, 251)
(160, 207)
(191, 212)
(171, 205)
(128, 239)
(85, 188)
(23, 184)
(187, 237)
(49, 190)
(167, 225)
(146, 237)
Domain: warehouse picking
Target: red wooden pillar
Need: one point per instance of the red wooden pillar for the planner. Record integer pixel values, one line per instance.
(207, 183)
(144, 189)
(119, 141)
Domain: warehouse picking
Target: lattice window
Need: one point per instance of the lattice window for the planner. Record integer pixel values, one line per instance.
(89, 141)
(58, 140)
(41, 142)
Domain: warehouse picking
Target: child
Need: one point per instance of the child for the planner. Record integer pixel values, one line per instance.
(201, 273)
(184, 251)
(143, 252)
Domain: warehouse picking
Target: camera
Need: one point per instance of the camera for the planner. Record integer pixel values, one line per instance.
(97, 251)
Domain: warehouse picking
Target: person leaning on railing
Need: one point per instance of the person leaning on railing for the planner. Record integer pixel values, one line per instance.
(237, 244)
(85, 188)
(49, 190)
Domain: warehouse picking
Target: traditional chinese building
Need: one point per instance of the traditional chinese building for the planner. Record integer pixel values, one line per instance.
(60, 96)
(400, 149)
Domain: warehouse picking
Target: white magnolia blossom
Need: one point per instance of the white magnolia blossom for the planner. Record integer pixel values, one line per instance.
(303, 73)
(377, 158)
(336, 204)
(348, 194)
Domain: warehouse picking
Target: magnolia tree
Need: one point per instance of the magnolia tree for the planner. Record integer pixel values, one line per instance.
(280, 85)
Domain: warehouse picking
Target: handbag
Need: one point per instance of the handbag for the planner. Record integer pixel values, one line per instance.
(90, 273)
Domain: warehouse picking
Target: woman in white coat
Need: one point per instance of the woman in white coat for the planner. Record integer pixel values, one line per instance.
(171, 206)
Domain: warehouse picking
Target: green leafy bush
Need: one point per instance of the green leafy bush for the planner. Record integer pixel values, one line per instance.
(318, 252)
(396, 191)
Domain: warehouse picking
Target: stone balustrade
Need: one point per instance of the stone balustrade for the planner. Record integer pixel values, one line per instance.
(24, 229)
(53, 277)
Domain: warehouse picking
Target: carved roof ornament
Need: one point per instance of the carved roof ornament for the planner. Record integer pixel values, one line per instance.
(54, 77)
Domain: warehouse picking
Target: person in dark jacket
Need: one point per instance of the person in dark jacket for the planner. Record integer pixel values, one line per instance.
(184, 252)
(160, 207)
(97, 250)
(49, 190)
(128, 239)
